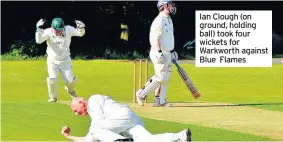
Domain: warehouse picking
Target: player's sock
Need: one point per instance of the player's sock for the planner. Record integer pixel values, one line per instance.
(157, 91)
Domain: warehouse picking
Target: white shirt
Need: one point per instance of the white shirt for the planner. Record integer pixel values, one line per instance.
(162, 29)
(101, 109)
(58, 48)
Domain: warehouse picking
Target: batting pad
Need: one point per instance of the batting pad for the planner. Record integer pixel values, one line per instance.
(52, 84)
(151, 85)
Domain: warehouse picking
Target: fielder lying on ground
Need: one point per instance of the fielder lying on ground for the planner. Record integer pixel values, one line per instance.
(110, 119)
(58, 39)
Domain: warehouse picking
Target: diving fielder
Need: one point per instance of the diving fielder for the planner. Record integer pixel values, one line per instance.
(109, 119)
(58, 39)
(161, 54)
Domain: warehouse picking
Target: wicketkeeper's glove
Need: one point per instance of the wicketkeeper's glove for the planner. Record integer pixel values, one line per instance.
(39, 25)
(80, 24)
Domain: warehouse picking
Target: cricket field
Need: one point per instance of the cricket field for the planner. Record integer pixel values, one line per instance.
(236, 103)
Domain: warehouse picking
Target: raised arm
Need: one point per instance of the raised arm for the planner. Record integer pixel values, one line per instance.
(79, 30)
(41, 35)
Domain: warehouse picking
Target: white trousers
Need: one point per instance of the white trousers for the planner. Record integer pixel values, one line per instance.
(53, 68)
(140, 134)
(64, 67)
(160, 69)
(137, 132)
(131, 127)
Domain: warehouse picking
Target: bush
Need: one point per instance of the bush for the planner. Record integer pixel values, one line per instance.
(19, 54)
(29, 48)
(15, 56)
(80, 57)
(120, 56)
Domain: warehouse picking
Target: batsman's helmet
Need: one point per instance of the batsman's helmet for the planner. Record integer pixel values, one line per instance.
(58, 24)
(164, 2)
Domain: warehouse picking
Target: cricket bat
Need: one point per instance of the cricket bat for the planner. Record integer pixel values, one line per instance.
(188, 82)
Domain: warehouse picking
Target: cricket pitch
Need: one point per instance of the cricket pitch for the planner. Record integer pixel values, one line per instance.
(217, 115)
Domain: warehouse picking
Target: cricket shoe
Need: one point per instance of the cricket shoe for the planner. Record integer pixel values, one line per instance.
(52, 100)
(185, 135)
(156, 103)
(125, 140)
(73, 94)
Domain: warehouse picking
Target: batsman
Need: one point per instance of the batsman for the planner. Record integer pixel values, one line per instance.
(58, 40)
(161, 54)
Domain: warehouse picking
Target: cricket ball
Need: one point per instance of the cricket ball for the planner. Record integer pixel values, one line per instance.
(67, 129)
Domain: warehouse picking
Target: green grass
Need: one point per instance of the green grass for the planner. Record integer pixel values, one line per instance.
(199, 133)
(26, 113)
(42, 121)
(272, 107)
(230, 85)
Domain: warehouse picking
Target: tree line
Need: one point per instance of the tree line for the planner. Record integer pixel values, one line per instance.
(114, 29)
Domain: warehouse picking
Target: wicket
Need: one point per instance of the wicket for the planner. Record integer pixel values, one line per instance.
(140, 76)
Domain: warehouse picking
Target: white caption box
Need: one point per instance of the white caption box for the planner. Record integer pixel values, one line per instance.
(224, 38)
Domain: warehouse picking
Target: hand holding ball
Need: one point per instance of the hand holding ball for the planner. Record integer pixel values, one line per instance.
(66, 131)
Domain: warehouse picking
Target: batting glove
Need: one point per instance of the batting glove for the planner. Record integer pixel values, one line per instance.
(80, 24)
(174, 55)
(160, 58)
